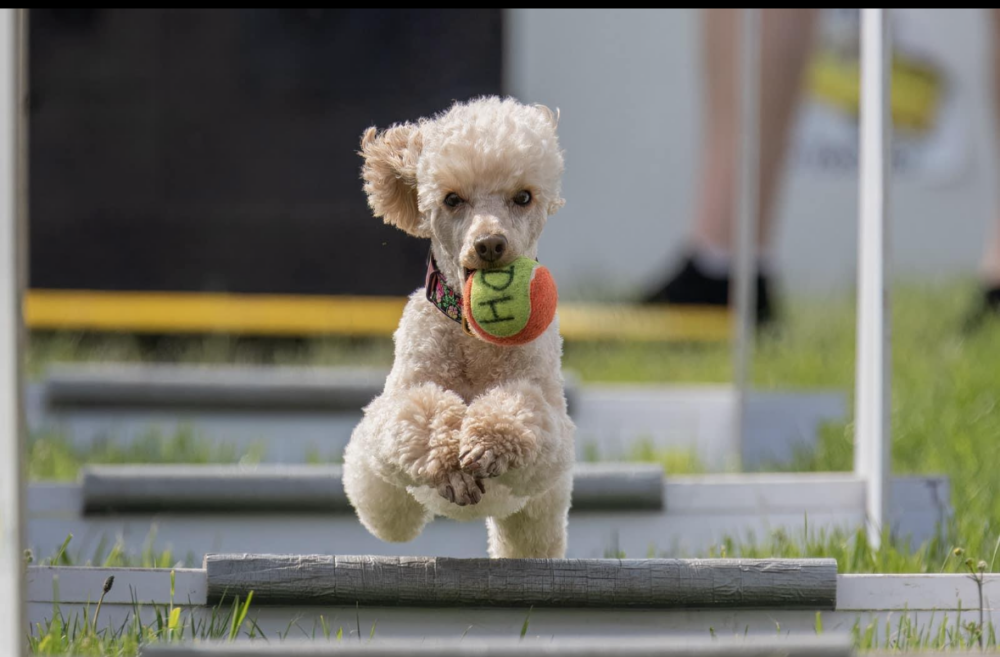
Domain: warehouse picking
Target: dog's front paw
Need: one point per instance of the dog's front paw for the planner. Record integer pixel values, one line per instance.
(428, 434)
(490, 447)
(483, 461)
(461, 488)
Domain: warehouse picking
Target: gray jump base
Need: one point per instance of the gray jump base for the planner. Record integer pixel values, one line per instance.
(618, 510)
(294, 414)
(819, 646)
(205, 489)
(253, 389)
(445, 599)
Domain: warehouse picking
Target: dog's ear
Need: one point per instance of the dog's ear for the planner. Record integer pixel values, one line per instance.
(553, 117)
(390, 175)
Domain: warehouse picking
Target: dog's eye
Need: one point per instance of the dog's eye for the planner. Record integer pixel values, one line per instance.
(453, 200)
(522, 198)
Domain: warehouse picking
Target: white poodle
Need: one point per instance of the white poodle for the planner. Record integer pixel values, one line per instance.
(466, 429)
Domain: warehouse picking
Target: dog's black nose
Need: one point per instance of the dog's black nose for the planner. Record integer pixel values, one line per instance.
(491, 247)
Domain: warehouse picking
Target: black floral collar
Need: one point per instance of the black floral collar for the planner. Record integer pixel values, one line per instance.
(444, 297)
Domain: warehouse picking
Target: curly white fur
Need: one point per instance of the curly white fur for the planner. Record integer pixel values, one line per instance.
(464, 428)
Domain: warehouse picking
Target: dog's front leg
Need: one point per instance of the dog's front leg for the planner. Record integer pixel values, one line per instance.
(517, 433)
(408, 437)
(411, 437)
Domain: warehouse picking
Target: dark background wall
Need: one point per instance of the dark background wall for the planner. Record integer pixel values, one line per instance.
(215, 150)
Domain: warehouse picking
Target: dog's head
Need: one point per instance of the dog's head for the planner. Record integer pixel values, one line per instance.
(479, 181)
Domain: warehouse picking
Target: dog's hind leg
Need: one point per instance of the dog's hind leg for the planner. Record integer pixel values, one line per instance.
(386, 510)
(538, 530)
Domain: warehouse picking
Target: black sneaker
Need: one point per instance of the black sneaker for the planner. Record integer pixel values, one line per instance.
(690, 286)
(988, 307)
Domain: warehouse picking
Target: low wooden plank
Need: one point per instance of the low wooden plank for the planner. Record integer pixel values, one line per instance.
(441, 582)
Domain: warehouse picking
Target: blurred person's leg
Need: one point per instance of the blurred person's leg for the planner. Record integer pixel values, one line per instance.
(786, 38)
(990, 270)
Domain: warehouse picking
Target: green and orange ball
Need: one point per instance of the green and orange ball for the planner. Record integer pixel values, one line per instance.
(510, 305)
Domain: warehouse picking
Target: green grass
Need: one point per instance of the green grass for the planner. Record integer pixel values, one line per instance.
(945, 413)
(673, 461)
(47, 349)
(114, 555)
(84, 636)
(53, 457)
(955, 633)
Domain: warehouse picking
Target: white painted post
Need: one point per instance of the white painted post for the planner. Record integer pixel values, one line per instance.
(744, 290)
(12, 618)
(872, 437)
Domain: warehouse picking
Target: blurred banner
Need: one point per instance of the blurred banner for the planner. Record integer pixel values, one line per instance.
(929, 141)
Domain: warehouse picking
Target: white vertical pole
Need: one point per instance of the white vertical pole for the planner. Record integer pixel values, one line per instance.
(872, 438)
(12, 620)
(745, 288)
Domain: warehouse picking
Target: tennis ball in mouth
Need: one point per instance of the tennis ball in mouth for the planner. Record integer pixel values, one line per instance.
(510, 305)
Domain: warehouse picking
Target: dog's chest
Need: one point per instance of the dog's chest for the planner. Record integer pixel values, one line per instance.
(485, 365)
(432, 347)
(477, 366)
